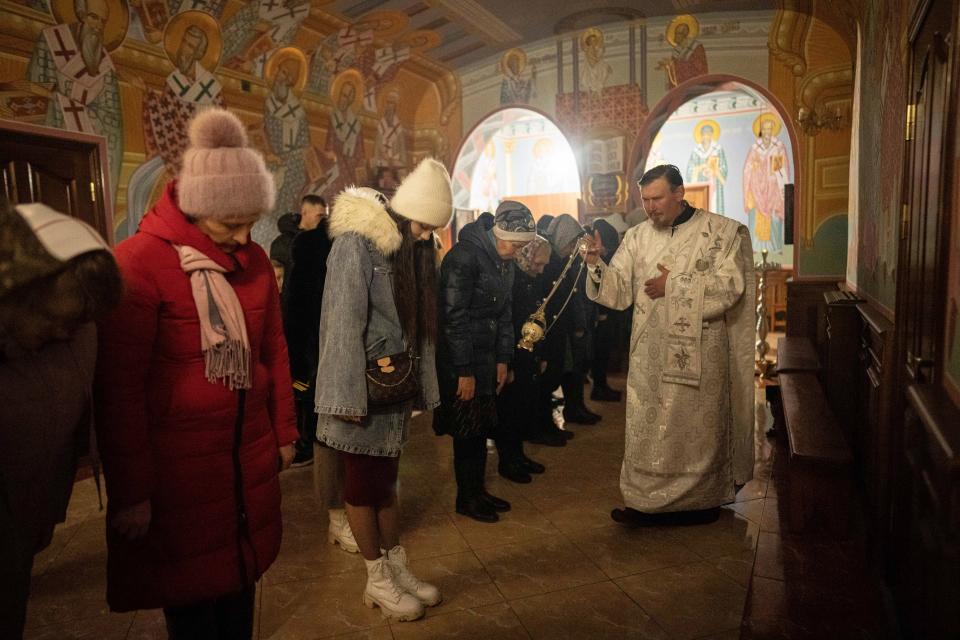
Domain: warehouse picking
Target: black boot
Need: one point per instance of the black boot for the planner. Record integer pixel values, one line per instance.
(514, 471)
(549, 436)
(603, 393)
(578, 415)
(579, 403)
(497, 504)
(469, 501)
(531, 466)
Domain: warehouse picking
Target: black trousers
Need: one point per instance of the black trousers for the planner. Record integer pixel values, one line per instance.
(517, 408)
(229, 617)
(469, 465)
(604, 341)
(306, 421)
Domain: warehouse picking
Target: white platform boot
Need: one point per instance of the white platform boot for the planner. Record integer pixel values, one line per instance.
(425, 592)
(383, 591)
(339, 531)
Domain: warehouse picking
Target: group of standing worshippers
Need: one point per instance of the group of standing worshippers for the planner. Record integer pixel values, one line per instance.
(172, 348)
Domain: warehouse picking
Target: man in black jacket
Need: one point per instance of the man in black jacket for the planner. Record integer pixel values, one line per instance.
(301, 302)
(313, 211)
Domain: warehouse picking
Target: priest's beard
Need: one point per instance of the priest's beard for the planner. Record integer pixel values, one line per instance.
(90, 48)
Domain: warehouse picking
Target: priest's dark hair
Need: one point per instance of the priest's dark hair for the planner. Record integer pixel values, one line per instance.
(668, 171)
(312, 198)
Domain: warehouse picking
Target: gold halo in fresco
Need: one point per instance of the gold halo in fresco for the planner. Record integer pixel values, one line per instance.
(282, 57)
(513, 54)
(384, 24)
(698, 130)
(692, 25)
(760, 120)
(350, 76)
(592, 32)
(420, 40)
(118, 19)
(177, 27)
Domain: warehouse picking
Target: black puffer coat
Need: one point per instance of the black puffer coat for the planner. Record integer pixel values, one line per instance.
(476, 328)
(302, 302)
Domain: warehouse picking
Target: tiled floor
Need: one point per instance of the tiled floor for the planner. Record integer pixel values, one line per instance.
(555, 567)
(810, 585)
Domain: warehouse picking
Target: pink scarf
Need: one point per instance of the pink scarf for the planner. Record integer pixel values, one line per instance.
(223, 331)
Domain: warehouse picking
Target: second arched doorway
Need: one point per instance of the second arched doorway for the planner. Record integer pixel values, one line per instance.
(516, 154)
(736, 150)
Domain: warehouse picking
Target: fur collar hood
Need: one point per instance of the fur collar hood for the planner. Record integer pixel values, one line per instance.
(360, 210)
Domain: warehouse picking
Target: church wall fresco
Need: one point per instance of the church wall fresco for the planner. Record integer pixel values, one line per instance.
(602, 101)
(731, 145)
(329, 103)
(884, 52)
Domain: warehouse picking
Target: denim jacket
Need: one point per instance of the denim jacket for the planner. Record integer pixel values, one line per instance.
(359, 322)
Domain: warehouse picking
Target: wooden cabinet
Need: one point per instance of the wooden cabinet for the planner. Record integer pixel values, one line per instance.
(805, 306)
(872, 430)
(840, 362)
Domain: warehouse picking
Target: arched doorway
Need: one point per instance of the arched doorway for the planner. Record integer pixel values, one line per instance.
(517, 154)
(737, 151)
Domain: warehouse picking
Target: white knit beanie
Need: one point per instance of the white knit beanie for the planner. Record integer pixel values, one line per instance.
(425, 195)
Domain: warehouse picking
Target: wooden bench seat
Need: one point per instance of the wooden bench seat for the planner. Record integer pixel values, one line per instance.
(819, 484)
(796, 353)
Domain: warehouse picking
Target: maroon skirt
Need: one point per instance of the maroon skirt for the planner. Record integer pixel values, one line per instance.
(368, 481)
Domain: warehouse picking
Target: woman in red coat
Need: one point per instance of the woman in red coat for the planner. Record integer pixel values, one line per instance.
(194, 396)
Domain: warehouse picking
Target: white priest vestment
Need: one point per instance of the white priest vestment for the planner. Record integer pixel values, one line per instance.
(690, 401)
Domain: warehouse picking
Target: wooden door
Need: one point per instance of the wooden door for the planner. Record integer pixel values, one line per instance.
(64, 170)
(923, 548)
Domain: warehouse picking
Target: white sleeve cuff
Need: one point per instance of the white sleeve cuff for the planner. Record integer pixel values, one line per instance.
(595, 272)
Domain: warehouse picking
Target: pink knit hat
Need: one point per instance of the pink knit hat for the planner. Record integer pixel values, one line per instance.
(221, 177)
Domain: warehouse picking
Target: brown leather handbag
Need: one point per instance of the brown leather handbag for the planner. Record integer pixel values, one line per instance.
(393, 379)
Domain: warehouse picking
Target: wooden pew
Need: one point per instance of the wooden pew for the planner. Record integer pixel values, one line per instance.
(819, 483)
(796, 354)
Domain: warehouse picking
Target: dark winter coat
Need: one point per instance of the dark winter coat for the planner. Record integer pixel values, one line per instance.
(45, 417)
(281, 248)
(303, 301)
(168, 435)
(476, 327)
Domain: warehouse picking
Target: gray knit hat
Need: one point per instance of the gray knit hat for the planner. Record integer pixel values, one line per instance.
(563, 230)
(514, 222)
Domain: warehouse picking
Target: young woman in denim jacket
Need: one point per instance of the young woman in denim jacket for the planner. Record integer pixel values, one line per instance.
(380, 300)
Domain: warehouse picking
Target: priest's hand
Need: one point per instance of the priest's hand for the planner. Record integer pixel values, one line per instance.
(502, 373)
(592, 249)
(657, 287)
(466, 388)
(133, 522)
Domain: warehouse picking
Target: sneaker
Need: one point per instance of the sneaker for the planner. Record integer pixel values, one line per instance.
(339, 531)
(424, 592)
(383, 591)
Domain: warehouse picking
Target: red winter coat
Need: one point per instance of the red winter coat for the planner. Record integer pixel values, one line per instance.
(167, 435)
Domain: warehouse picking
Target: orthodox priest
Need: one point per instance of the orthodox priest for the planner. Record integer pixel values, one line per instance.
(689, 276)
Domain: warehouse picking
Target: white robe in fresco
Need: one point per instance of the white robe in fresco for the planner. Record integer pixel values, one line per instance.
(690, 407)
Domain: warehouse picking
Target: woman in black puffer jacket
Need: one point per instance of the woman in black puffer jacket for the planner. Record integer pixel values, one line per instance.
(476, 345)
